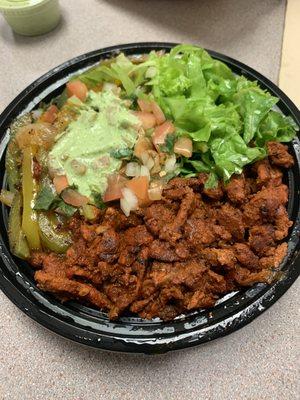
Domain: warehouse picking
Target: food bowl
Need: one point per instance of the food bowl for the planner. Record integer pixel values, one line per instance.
(132, 334)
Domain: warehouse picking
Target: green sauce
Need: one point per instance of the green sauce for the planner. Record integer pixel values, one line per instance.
(82, 152)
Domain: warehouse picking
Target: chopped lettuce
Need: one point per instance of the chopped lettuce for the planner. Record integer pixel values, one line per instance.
(253, 105)
(211, 105)
(120, 70)
(228, 117)
(231, 154)
(275, 126)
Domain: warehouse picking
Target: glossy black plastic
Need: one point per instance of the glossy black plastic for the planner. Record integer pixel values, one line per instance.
(131, 334)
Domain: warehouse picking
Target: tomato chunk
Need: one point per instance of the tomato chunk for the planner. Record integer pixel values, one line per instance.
(50, 114)
(160, 133)
(74, 198)
(60, 183)
(140, 186)
(78, 89)
(147, 119)
(158, 113)
(115, 185)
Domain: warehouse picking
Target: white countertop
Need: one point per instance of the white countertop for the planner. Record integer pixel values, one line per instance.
(261, 361)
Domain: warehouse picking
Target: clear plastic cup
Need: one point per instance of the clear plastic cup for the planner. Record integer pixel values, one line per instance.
(31, 17)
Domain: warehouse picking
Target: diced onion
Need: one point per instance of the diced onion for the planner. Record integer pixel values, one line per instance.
(142, 145)
(150, 163)
(144, 157)
(133, 169)
(110, 87)
(184, 147)
(37, 113)
(145, 171)
(155, 191)
(128, 202)
(157, 165)
(147, 160)
(170, 163)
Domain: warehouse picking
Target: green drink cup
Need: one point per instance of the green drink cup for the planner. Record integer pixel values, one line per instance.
(31, 17)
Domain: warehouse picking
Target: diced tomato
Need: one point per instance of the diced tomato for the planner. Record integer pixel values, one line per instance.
(147, 119)
(140, 186)
(145, 105)
(74, 198)
(160, 133)
(78, 89)
(158, 113)
(50, 114)
(115, 185)
(60, 183)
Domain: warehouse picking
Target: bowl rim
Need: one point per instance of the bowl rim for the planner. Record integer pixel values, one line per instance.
(193, 335)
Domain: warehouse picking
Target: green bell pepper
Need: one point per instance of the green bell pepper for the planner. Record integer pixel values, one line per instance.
(53, 238)
(29, 188)
(17, 241)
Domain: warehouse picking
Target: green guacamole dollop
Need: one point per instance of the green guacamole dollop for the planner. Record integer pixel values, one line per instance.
(83, 151)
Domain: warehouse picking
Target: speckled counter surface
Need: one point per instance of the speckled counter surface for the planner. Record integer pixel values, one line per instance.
(259, 362)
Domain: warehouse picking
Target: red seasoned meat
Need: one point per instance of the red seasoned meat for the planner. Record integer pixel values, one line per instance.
(261, 238)
(245, 256)
(178, 254)
(213, 193)
(231, 218)
(172, 230)
(279, 155)
(237, 189)
(267, 175)
(264, 205)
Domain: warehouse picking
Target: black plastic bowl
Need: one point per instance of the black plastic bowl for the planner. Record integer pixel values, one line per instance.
(131, 334)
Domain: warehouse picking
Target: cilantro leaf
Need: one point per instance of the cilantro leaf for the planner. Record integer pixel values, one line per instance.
(98, 201)
(45, 199)
(65, 208)
(124, 154)
(168, 146)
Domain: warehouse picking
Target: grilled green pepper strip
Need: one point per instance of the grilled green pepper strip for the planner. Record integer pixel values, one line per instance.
(29, 188)
(11, 167)
(52, 238)
(17, 241)
(6, 197)
(13, 154)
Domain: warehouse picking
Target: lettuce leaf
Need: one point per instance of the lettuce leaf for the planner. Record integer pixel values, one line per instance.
(121, 69)
(231, 154)
(253, 105)
(228, 117)
(232, 115)
(276, 126)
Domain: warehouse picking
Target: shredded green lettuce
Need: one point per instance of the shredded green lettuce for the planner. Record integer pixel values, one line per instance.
(228, 117)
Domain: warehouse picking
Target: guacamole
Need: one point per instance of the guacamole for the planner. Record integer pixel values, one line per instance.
(83, 151)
